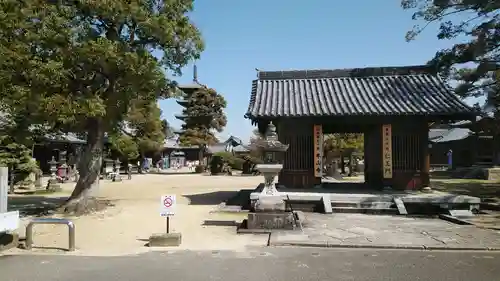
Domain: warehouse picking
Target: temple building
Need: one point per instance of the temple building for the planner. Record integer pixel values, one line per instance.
(392, 106)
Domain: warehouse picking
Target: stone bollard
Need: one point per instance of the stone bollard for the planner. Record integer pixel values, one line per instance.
(31, 181)
(38, 179)
(76, 176)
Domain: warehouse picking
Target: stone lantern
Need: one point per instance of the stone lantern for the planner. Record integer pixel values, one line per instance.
(108, 167)
(272, 151)
(269, 207)
(53, 166)
(53, 183)
(63, 169)
(117, 176)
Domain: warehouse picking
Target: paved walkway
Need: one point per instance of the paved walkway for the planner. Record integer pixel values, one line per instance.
(358, 230)
(259, 264)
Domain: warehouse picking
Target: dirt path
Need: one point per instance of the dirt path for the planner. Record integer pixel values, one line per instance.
(125, 228)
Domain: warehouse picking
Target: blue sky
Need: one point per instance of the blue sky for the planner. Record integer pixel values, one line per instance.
(296, 34)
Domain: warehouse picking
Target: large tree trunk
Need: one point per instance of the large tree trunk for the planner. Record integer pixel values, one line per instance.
(82, 198)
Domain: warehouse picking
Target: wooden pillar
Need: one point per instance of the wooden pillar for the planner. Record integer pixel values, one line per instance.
(373, 157)
(426, 157)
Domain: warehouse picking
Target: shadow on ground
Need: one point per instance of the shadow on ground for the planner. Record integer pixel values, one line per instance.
(220, 223)
(35, 205)
(230, 198)
(211, 198)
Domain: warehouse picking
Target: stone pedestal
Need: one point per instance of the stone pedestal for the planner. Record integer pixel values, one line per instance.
(53, 184)
(270, 203)
(165, 240)
(270, 207)
(493, 174)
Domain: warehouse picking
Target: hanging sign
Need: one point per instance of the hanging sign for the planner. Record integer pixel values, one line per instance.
(387, 151)
(318, 151)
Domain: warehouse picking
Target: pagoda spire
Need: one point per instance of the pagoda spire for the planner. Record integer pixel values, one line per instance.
(195, 73)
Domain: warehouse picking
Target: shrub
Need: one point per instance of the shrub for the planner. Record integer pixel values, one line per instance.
(216, 165)
(233, 161)
(199, 169)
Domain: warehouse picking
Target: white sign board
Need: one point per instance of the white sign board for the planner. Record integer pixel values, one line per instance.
(167, 205)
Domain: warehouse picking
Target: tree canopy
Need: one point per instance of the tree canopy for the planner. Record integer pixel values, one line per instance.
(203, 115)
(473, 62)
(343, 142)
(80, 65)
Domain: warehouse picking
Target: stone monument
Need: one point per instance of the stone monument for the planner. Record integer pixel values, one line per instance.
(269, 209)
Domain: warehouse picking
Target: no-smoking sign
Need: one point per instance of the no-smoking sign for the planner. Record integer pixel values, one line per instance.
(167, 207)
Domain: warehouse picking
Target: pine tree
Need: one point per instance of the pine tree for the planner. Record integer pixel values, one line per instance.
(473, 64)
(203, 115)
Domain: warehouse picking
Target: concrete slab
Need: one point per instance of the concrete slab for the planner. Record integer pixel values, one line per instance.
(165, 240)
(401, 206)
(358, 230)
(327, 203)
(358, 198)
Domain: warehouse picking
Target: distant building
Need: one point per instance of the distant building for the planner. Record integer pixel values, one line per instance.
(470, 143)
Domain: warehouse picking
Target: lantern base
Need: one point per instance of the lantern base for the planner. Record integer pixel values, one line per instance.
(53, 185)
(270, 203)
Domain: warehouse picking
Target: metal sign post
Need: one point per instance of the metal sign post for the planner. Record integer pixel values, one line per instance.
(167, 209)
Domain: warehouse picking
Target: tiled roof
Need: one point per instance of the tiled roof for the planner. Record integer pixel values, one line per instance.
(174, 143)
(486, 115)
(435, 134)
(234, 141)
(453, 134)
(367, 91)
(65, 138)
(241, 148)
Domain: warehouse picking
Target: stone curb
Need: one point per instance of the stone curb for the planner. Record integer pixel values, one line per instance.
(453, 219)
(379, 246)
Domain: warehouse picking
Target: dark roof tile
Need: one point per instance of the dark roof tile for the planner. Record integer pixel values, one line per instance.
(351, 92)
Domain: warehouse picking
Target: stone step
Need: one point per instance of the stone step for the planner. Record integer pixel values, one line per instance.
(371, 205)
(356, 210)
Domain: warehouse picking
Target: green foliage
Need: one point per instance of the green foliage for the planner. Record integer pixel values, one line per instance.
(343, 142)
(81, 65)
(199, 169)
(125, 145)
(473, 63)
(143, 131)
(233, 161)
(16, 156)
(204, 114)
(255, 153)
(237, 163)
(144, 120)
(167, 129)
(216, 164)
